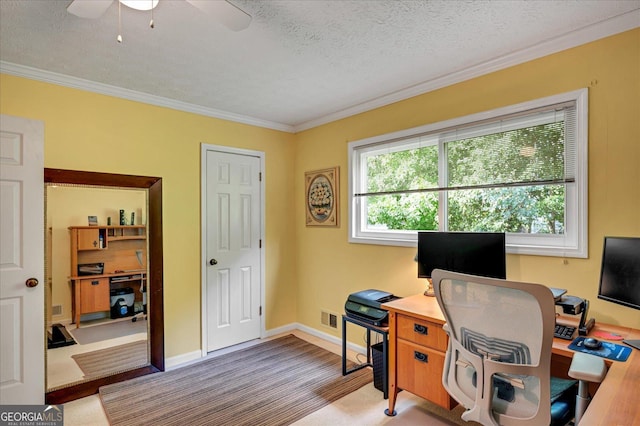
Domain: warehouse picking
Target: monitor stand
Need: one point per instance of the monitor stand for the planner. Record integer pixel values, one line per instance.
(633, 343)
(430, 291)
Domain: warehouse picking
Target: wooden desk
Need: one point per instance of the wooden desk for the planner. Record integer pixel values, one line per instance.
(122, 252)
(92, 293)
(417, 347)
(616, 401)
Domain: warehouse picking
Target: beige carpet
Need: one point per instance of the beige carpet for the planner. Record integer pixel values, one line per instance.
(112, 360)
(273, 383)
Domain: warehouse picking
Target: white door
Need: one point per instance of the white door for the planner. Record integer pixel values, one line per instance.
(232, 250)
(21, 261)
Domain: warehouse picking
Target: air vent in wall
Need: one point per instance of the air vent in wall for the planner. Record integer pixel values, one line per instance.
(328, 319)
(56, 310)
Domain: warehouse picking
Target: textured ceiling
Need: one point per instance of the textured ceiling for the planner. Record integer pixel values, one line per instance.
(299, 63)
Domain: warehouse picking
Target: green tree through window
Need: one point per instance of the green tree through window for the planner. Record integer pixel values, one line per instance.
(532, 154)
(523, 155)
(518, 170)
(400, 171)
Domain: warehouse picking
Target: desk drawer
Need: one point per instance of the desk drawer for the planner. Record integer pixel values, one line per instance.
(420, 372)
(422, 332)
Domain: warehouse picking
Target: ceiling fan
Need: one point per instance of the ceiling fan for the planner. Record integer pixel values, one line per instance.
(229, 15)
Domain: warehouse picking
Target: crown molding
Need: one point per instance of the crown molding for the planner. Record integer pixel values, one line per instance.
(132, 95)
(609, 27)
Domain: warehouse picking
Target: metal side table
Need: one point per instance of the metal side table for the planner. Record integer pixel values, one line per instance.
(384, 332)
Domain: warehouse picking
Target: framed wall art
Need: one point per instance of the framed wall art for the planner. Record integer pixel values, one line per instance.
(321, 189)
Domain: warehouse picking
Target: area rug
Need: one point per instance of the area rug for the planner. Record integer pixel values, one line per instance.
(273, 383)
(97, 333)
(112, 360)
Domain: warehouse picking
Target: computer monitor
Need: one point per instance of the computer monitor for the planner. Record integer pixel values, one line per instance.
(475, 253)
(620, 271)
(620, 274)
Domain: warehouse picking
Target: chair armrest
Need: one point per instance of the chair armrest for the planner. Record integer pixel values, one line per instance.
(587, 367)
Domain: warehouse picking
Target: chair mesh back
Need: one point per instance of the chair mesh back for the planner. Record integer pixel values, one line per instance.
(499, 332)
(495, 349)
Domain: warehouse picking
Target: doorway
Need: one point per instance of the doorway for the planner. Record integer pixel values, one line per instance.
(232, 246)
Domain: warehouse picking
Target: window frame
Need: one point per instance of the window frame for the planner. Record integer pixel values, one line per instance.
(573, 243)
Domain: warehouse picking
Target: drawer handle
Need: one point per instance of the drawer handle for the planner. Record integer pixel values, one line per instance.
(96, 282)
(419, 356)
(421, 329)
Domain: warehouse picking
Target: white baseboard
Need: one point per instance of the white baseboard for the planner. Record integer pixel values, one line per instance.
(179, 360)
(284, 329)
(182, 359)
(330, 338)
(64, 321)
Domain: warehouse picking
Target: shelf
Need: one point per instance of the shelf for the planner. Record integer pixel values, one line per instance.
(109, 227)
(131, 232)
(127, 237)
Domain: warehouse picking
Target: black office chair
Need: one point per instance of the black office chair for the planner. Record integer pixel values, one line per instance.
(498, 360)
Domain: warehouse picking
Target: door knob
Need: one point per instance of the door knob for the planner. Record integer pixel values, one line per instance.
(31, 282)
(213, 262)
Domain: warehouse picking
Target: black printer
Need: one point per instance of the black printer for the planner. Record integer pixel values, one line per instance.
(365, 306)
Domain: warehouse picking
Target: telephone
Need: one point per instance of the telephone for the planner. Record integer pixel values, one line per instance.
(573, 305)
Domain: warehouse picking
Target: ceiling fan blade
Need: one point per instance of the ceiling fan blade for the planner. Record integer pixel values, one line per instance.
(229, 15)
(90, 9)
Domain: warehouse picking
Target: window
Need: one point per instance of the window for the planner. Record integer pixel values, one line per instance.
(521, 170)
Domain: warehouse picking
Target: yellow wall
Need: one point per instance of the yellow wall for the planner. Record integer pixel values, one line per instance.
(610, 68)
(309, 269)
(87, 131)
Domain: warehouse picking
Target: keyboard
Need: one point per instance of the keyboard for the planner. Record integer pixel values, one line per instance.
(564, 332)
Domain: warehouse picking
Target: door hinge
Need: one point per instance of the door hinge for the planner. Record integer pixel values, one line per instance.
(260, 176)
(260, 313)
(260, 243)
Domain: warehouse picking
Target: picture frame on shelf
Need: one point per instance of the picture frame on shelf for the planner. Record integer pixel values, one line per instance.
(93, 220)
(322, 197)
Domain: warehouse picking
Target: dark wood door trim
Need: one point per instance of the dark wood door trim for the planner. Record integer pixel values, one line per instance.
(155, 278)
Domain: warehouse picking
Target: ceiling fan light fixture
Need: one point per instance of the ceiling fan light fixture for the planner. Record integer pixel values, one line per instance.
(140, 4)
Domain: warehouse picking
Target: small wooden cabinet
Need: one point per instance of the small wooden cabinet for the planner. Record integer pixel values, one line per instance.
(417, 349)
(90, 238)
(94, 295)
